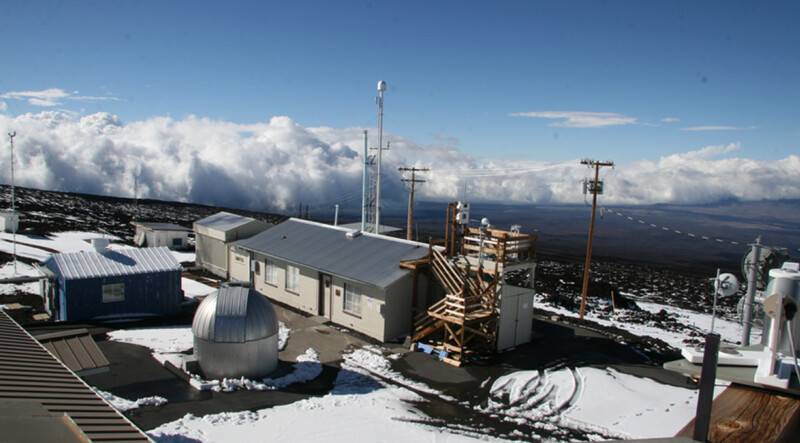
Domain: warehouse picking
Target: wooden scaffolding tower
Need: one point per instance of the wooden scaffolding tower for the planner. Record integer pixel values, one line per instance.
(469, 264)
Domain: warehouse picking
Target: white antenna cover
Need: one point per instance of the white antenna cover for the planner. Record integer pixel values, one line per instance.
(381, 86)
(726, 285)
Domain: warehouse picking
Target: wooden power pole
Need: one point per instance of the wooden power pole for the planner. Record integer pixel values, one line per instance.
(413, 180)
(594, 189)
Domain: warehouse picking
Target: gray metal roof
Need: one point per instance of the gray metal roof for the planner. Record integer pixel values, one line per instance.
(155, 226)
(76, 349)
(224, 221)
(107, 263)
(384, 229)
(234, 315)
(367, 258)
(37, 392)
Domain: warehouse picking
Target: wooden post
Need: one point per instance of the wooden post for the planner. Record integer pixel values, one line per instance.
(413, 181)
(596, 165)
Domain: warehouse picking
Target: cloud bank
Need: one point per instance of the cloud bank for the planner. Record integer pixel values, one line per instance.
(277, 165)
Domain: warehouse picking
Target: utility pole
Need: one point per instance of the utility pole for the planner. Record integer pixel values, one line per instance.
(413, 181)
(14, 221)
(594, 189)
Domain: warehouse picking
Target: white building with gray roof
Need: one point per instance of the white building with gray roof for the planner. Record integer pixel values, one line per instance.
(354, 279)
(212, 235)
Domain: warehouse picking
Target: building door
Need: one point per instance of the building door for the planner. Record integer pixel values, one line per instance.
(325, 292)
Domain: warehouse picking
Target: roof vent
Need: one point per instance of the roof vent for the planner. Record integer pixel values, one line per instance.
(100, 244)
(353, 234)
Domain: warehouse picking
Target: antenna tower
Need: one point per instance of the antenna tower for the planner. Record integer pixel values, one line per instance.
(14, 222)
(381, 89)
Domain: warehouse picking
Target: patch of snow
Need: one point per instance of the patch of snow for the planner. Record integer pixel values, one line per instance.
(123, 404)
(23, 270)
(371, 359)
(307, 368)
(160, 340)
(192, 288)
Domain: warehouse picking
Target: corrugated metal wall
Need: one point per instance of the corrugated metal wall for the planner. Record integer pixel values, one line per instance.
(157, 293)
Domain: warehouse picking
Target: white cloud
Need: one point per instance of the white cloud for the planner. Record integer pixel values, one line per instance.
(718, 128)
(275, 166)
(670, 119)
(579, 119)
(50, 97)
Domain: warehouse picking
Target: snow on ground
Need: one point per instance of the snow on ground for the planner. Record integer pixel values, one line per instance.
(173, 339)
(163, 340)
(730, 330)
(601, 401)
(306, 369)
(357, 409)
(372, 359)
(575, 398)
(123, 404)
(34, 253)
(23, 270)
(193, 289)
(39, 248)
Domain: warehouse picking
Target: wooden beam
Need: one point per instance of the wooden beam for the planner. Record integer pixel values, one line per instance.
(747, 414)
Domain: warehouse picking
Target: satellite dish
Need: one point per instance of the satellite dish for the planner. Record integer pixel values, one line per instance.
(726, 285)
(381, 86)
(770, 257)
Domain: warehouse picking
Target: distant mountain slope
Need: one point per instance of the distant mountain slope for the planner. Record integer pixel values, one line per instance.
(49, 211)
(563, 230)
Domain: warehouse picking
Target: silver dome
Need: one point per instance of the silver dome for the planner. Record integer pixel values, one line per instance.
(236, 334)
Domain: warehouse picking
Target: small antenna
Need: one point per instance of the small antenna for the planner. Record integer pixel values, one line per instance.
(14, 222)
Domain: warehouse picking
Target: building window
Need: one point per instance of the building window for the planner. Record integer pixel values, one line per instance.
(238, 258)
(270, 273)
(352, 299)
(112, 293)
(292, 279)
(177, 241)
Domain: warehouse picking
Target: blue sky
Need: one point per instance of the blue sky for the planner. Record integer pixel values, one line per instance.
(464, 73)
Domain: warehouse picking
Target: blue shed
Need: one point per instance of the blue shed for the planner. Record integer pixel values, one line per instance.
(107, 284)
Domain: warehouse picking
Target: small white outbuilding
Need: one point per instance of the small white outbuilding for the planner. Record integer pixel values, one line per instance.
(236, 334)
(9, 221)
(153, 235)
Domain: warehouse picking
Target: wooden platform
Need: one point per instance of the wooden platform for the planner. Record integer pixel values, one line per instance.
(744, 414)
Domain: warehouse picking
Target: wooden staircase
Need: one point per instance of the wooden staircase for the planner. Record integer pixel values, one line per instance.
(469, 267)
(466, 316)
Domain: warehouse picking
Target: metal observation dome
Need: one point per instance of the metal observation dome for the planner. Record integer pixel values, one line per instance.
(236, 334)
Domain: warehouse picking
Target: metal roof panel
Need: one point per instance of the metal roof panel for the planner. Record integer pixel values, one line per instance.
(108, 263)
(224, 221)
(366, 258)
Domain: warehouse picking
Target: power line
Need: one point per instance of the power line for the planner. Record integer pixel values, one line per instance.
(675, 231)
